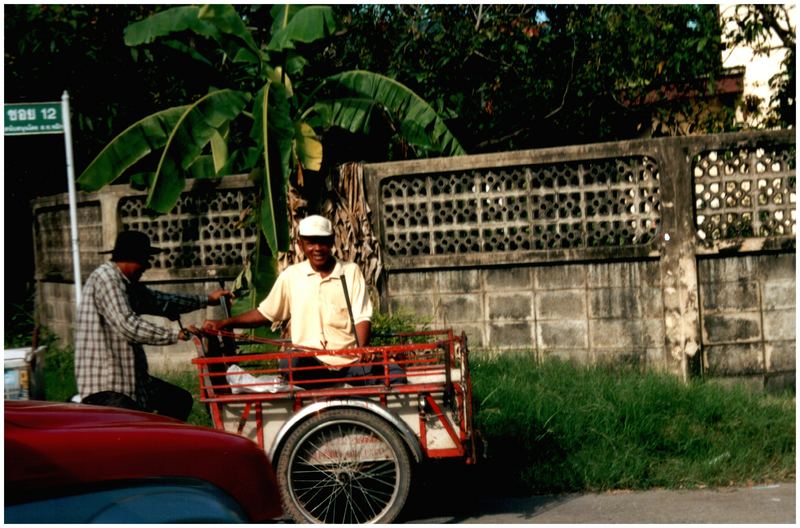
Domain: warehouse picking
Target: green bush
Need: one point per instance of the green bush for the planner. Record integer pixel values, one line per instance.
(59, 373)
(386, 327)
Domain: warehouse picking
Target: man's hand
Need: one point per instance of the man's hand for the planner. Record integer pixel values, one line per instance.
(214, 326)
(215, 296)
(184, 335)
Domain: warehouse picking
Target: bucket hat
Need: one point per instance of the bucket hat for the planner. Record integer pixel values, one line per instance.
(133, 246)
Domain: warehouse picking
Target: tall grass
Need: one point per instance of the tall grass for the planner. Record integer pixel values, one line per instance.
(555, 427)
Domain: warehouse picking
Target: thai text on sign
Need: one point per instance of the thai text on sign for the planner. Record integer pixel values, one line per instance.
(33, 118)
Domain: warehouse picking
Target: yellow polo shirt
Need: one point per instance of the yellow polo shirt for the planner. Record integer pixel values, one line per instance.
(316, 307)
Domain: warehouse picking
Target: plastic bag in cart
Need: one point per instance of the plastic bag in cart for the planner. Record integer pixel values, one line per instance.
(242, 381)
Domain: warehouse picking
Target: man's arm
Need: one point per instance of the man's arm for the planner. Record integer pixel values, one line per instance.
(113, 304)
(251, 319)
(363, 332)
(170, 305)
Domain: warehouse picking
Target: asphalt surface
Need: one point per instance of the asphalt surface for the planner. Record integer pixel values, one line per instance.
(762, 504)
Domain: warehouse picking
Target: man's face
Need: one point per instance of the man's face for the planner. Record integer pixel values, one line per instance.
(318, 251)
(139, 268)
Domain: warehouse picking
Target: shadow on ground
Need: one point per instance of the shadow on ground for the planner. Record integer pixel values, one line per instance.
(451, 492)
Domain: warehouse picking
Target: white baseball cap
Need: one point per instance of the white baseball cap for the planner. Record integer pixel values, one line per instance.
(315, 226)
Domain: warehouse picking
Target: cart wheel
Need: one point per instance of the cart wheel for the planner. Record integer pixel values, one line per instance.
(344, 466)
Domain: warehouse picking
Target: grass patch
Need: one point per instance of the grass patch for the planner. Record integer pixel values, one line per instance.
(59, 373)
(556, 427)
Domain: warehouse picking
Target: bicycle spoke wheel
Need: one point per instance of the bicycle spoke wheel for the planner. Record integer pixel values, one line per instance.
(345, 466)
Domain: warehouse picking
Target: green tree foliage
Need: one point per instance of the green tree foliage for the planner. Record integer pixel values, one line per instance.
(78, 48)
(255, 119)
(519, 76)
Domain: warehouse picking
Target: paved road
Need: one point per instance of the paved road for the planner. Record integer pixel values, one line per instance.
(774, 503)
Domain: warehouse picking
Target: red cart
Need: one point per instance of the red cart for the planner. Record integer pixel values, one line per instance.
(344, 452)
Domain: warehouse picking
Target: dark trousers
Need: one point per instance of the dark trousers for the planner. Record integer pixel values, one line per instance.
(164, 398)
(322, 373)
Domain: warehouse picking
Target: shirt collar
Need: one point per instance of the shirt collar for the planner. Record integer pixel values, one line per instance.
(335, 274)
(114, 266)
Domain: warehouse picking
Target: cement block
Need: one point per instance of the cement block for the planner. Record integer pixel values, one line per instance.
(777, 267)
(733, 359)
(726, 269)
(459, 281)
(475, 334)
(778, 294)
(619, 275)
(656, 360)
(509, 306)
(654, 333)
(610, 303)
(418, 305)
(405, 283)
(624, 333)
(650, 274)
(731, 328)
(463, 307)
(512, 335)
(780, 325)
(503, 279)
(559, 277)
(562, 334)
(736, 296)
(562, 304)
(780, 356)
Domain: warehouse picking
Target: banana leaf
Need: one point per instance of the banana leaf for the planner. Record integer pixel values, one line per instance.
(257, 276)
(202, 168)
(416, 120)
(307, 148)
(305, 25)
(183, 48)
(273, 132)
(133, 144)
(166, 22)
(191, 134)
(219, 149)
(225, 18)
(353, 114)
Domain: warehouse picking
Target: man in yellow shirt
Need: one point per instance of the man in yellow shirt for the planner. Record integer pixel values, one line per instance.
(311, 295)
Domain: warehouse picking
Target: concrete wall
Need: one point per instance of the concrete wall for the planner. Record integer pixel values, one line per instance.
(581, 312)
(694, 272)
(674, 254)
(749, 320)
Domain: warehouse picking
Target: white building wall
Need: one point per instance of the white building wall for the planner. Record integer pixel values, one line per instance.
(760, 63)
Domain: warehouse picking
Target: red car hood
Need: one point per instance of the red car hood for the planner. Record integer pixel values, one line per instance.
(50, 447)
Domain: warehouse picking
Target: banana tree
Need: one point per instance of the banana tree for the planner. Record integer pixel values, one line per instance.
(203, 138)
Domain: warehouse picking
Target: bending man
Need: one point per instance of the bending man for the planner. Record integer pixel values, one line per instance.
(110, 362)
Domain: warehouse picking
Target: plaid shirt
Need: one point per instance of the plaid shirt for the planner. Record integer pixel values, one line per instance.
(109, 333)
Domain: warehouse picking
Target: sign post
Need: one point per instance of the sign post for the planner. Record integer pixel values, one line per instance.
(50, 118)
